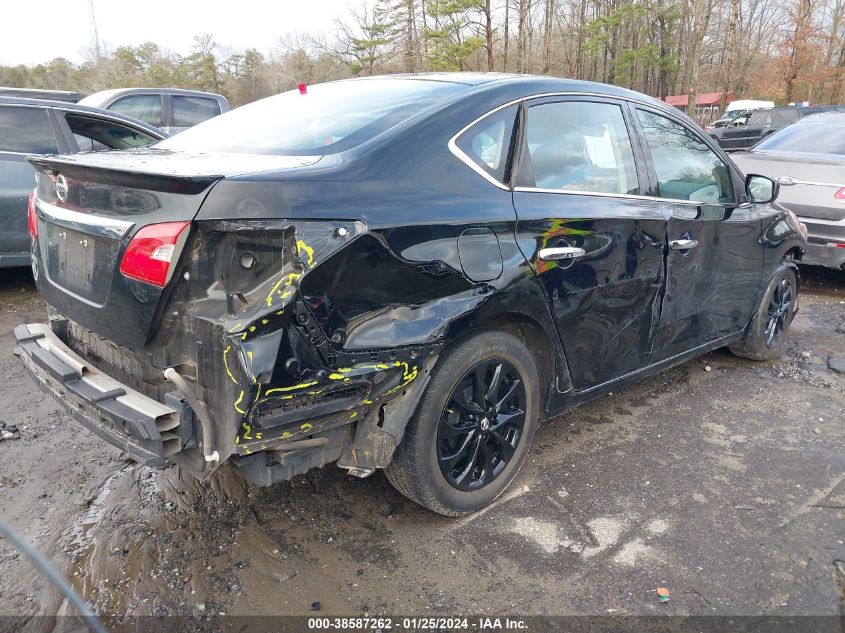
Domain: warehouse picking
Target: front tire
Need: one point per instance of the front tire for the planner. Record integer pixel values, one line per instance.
(765, 339)
(473, 427)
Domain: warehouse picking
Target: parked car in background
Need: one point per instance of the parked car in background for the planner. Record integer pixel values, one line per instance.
(170, 109)
(808, 160)
(37, 126)
(407, 273)
(740, 107)
(759, 125)
(36, 93)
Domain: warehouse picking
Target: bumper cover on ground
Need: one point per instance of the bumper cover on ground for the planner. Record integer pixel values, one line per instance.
(146, 429)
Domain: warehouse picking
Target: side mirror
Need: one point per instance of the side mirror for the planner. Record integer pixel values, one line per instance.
(761, 189)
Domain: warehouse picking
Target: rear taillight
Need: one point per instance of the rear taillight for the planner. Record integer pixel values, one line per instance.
(31, 221)
(840, 194)
(150, 253)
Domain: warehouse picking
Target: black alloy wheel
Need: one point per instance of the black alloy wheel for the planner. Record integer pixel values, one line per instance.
(481, 425)
(473, 426)
(766, 334)
(778, 312)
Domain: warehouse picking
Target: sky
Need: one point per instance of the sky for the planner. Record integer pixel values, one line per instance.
(36, 31)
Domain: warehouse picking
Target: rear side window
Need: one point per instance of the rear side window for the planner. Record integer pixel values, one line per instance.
(147, 108)
(188, 111)
(93, 135)
(808, 137)
(488, 143)
(578, 146)
(761, 117)
(328, 118)
(26, 130)
(687, 169)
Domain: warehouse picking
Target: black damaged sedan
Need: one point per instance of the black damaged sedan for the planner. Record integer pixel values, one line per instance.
(407, 273)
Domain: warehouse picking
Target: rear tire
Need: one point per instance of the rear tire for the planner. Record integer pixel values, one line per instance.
(473, 427)
(765, 339)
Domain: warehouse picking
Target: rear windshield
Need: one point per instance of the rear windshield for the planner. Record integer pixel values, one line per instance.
(329, 118)
(810, 138)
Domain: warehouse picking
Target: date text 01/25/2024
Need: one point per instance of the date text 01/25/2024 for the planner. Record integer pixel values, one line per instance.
(417, 624)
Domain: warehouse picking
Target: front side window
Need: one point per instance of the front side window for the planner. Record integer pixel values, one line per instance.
(578, 146)
(488, 143)
(94, 135)
(26, 130)
(147, 108)
(188, 111)
(687, 169)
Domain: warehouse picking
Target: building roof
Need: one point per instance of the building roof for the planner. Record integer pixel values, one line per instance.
(703, 99)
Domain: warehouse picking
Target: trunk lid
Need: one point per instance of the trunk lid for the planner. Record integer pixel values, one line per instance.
(815, 181)
(89, 206)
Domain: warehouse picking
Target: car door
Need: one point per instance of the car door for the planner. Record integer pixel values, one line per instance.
(715, 259)
(24, 130)
(594, 243)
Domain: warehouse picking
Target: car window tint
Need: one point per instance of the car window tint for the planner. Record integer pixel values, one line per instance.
(687, 169)
(807, 136)
(325, 119)
(761, 117)
(147, 108)
(188, 111)
(94, 135)
(26, 130)
(488, 143)
(578, 146)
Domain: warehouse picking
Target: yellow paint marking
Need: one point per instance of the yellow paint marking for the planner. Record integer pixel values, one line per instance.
(299, 386)
(309, 252)
(291, 277)
(226, 364)
(238, 401)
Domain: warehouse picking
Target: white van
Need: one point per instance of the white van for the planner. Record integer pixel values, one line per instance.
(739, 108)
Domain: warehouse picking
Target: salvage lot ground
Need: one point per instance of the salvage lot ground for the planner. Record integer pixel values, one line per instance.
(722, 480)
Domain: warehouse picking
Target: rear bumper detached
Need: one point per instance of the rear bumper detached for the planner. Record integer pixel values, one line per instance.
(360, 435)
(146, 429)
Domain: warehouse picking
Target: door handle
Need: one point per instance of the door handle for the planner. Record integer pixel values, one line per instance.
(682, 245)
(561, 252)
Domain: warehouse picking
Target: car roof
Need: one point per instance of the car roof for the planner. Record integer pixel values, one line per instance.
(822, 117)
(533, 84)
(82, 109)
(40, 93)
(115, 92)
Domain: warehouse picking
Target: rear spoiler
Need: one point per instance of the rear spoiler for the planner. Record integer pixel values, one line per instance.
(170, 183)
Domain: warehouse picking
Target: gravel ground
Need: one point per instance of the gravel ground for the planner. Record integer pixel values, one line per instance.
(722, 480)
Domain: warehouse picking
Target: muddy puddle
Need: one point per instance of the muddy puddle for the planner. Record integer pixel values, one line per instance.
(159, 542)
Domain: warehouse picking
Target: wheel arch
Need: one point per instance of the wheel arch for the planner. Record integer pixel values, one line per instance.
(535, 338)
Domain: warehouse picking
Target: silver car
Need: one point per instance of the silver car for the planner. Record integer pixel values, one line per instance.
(169, 109)
(807, 158)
